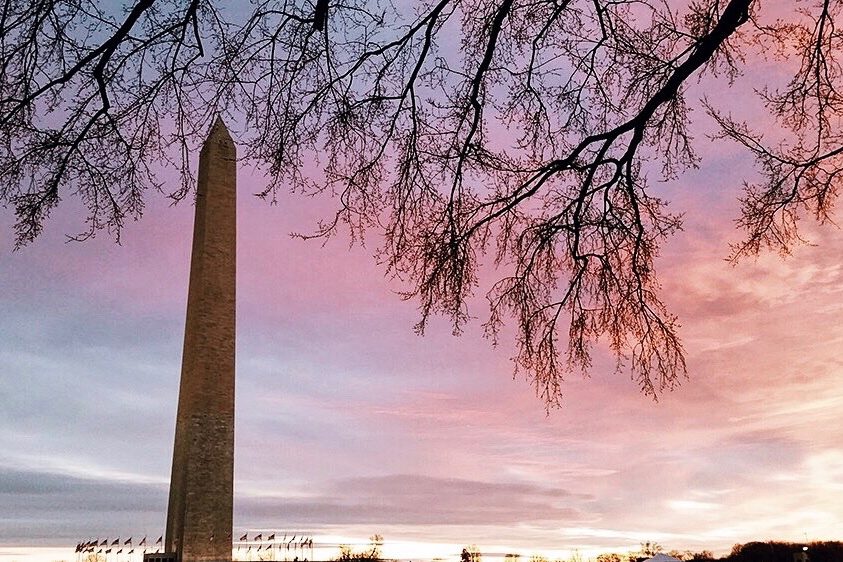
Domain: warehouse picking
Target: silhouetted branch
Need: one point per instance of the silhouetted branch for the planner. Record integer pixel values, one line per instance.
(456, 129)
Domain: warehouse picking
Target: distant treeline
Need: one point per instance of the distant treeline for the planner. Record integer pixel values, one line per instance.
(771, 551)
(831, 551)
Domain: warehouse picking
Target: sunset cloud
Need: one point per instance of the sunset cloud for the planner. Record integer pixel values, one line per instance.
(349, 424)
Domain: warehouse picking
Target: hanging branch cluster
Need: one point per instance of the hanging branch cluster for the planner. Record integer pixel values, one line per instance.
(456, 129)
(83, 95)
(802, 175)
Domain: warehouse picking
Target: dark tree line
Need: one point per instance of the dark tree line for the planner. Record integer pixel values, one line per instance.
(524, 131)
(779, 551)
(756, 551)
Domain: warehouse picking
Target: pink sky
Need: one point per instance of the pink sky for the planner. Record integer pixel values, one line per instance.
(348, 424)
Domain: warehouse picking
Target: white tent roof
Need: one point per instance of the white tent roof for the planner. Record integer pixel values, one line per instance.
(662, 558)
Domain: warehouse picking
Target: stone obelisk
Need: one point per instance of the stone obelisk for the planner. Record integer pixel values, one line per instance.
(200, 511)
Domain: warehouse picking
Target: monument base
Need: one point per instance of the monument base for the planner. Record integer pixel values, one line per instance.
(160, 557)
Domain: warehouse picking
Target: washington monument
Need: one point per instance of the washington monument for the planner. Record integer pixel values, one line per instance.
(200, 511)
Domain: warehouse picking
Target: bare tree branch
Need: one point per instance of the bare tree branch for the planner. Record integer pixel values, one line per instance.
(468, 134)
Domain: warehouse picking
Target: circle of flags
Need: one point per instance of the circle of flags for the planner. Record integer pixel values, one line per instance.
(273, 547)
(116, 550)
